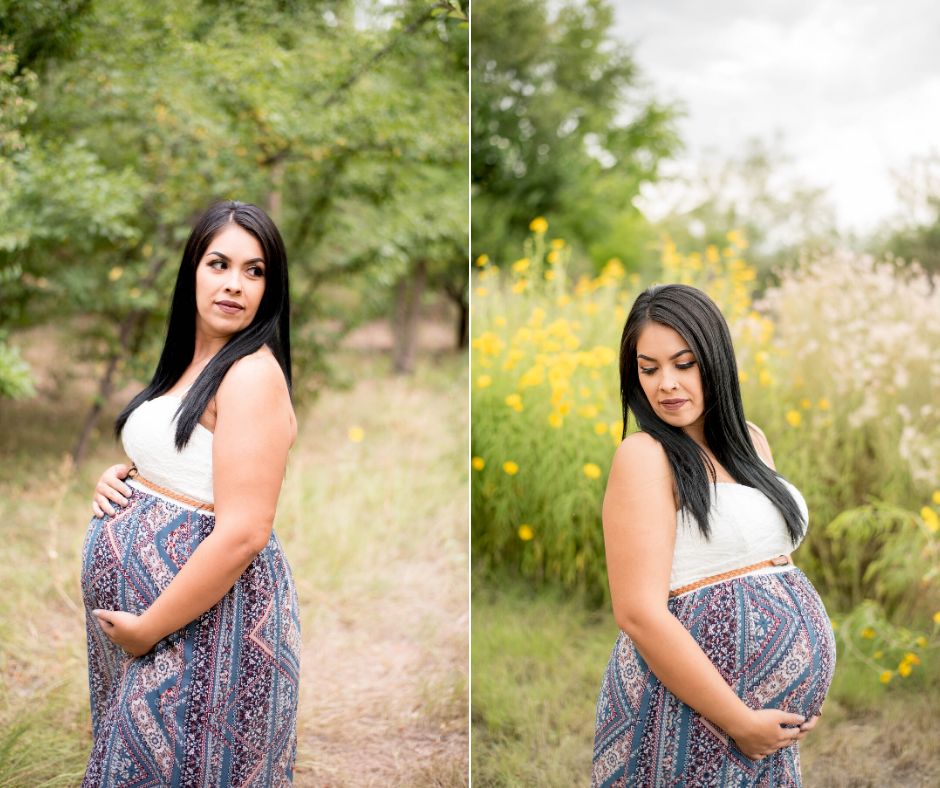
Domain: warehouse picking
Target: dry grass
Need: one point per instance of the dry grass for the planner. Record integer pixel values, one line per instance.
(376, 534)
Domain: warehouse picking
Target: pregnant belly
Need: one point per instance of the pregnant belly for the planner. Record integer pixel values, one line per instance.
(768, 635)
(129, 559)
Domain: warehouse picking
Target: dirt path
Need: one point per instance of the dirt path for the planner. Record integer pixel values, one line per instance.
(376, 533)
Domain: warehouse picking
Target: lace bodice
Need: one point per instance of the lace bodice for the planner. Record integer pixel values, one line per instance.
(149, 436)
(746, 527)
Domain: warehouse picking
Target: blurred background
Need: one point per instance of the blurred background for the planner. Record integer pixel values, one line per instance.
(346, 120)
(784, 158)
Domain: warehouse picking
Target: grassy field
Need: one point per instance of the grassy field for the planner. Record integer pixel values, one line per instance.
(376, 535)
(538, 662)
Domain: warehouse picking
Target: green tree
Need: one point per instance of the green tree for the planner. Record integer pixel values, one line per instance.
(916, 235)
(782, 216)
(165, 106)
(559, 127)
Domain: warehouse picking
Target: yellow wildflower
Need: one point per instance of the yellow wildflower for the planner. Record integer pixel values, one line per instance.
(549, 275)
(591, 471)
(539, 225)
(115, 273)
(912, 659)
(834, 623)
(765, 379)
(552, 257)
(499, 321)
(868, 632)
(823, 403)
(564, 409)
(533, 377)
(805, 404)
(886, 676)
(930, 519)
(519, 286)
(616, 428)
(356, 434)
(558, 243)
(794, 418)
(482, 260)
(489, 343)
(743, 377)
(483, 381)
(513, 400)
(936, 497)
(904, 669)
(588, 411)
(563, 300)
(600, 428)
(477, 463)
(936, 617)
(510, 467)
(761, 356)
(879, 654)
(595, 375)
(556, 420)
(520, 265)
(572, 342)
(525, 533)
(481, 292)
(921, 641)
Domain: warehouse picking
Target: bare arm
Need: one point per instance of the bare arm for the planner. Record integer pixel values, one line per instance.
(640, 534)
(249, 455)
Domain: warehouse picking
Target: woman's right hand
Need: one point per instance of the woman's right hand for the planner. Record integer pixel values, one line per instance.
(762, 735)
(110, 488)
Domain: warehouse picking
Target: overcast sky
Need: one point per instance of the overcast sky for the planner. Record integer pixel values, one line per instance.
(853, 85)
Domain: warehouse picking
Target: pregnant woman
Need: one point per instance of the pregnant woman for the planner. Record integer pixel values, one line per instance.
(192, 619)
(726, 652)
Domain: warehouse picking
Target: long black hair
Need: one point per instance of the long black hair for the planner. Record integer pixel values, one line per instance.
(271, 324)
(699, 321)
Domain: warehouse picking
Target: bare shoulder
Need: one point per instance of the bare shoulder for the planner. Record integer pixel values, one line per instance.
(761, 443)
(255, 378)
(641, 459)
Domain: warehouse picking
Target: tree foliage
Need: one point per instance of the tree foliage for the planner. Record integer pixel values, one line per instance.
(559, 125)
(317, 111)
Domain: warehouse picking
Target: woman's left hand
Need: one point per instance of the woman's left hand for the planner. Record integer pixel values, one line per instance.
(811, 722)
(125, 630)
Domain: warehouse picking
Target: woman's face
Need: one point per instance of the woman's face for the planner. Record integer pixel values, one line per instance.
(670, 377)
(230, 282)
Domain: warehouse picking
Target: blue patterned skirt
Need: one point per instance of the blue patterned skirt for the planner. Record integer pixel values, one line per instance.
(212, 705)
(771, 640)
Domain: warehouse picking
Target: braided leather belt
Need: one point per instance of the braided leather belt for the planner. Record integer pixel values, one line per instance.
(133, 473)
(782, 560)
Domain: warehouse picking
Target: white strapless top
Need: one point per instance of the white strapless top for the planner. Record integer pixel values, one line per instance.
(746, 528)
(149, 440)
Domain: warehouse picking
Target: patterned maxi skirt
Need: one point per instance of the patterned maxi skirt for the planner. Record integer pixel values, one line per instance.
(211, 706)
(771, 640)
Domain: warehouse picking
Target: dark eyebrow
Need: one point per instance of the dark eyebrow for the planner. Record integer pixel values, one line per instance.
(229, 259)
(674, 355)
